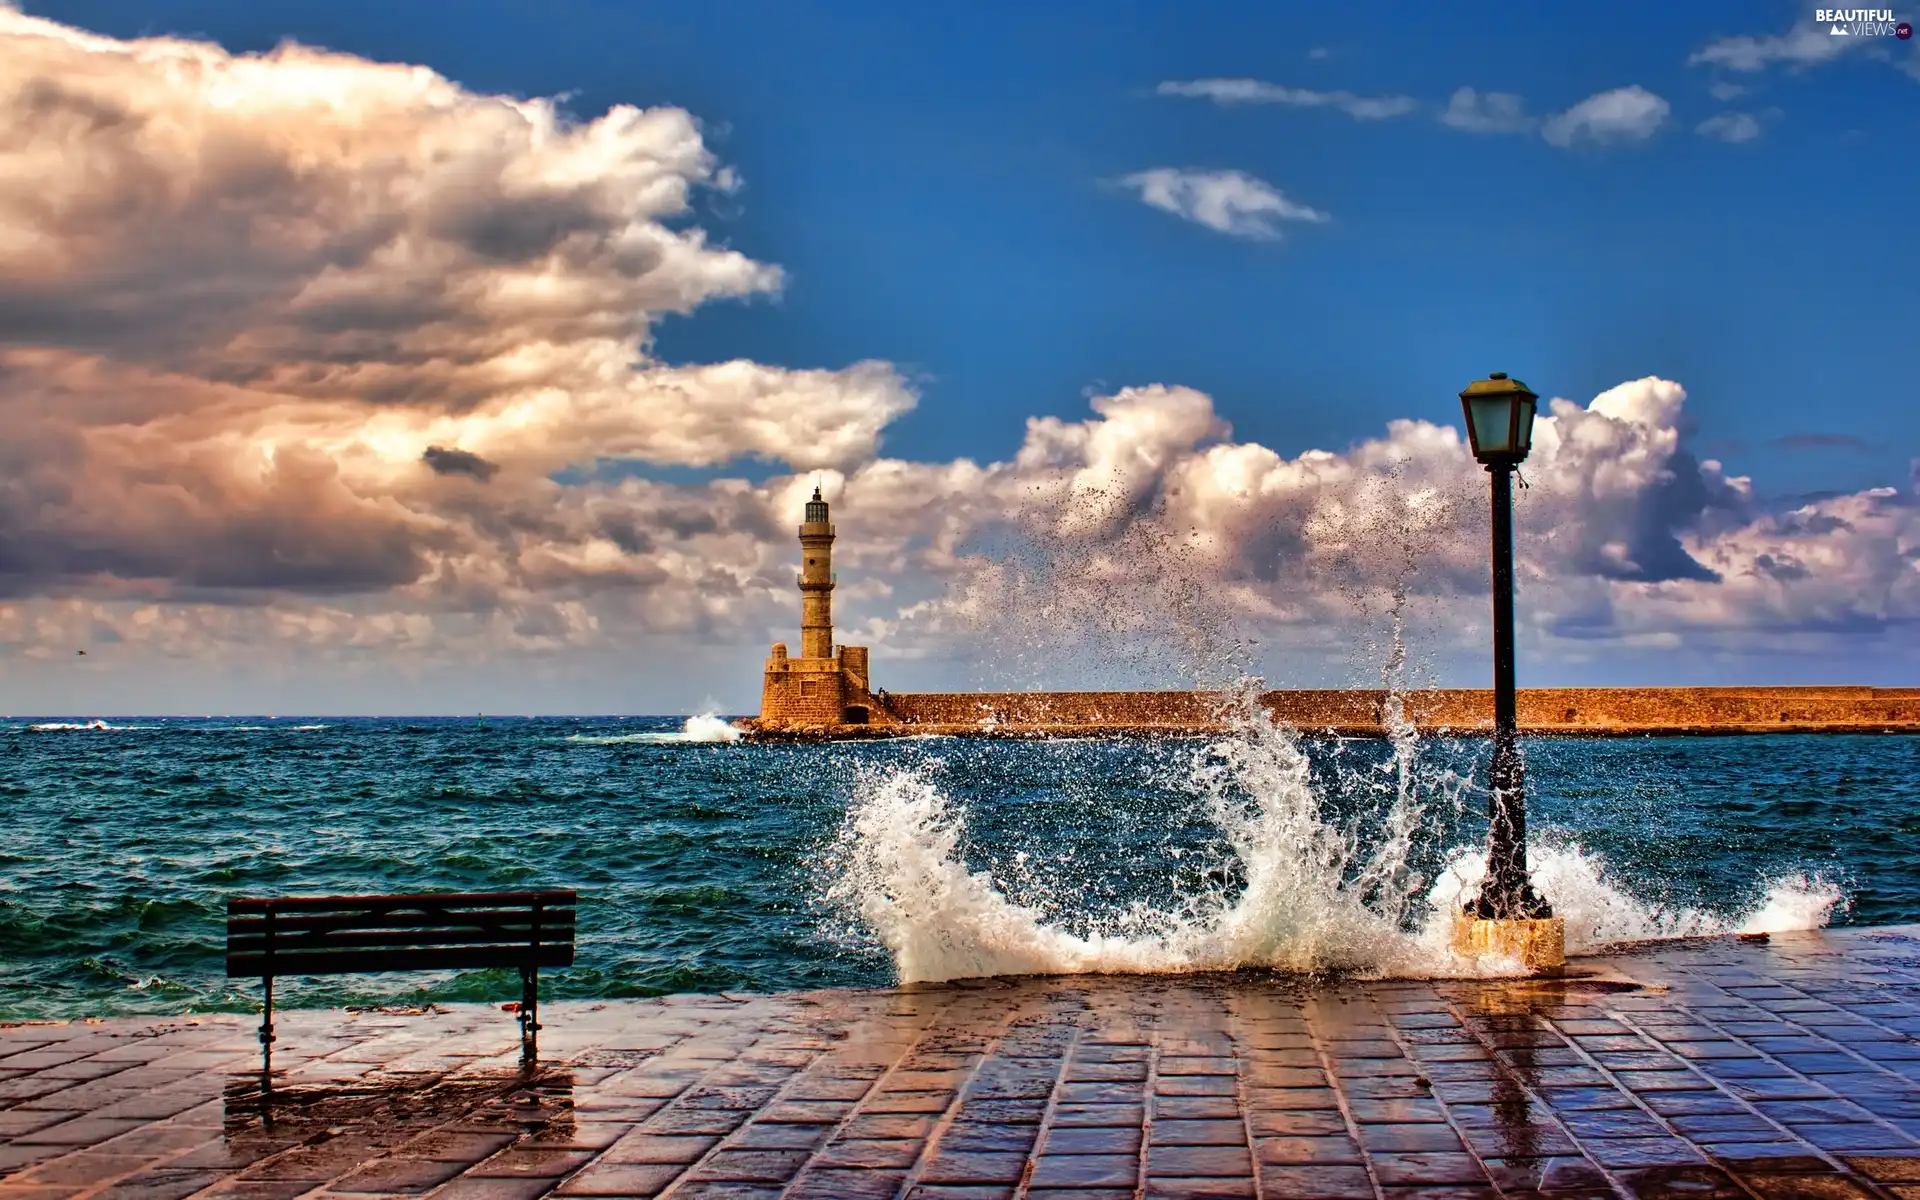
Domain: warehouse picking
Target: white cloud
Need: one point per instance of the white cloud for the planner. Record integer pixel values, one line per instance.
(1149, 521)
(1255, 91)
(1627, 114)
(316, 229)
(1724, 91)
(1232, 202)
(1624, 114)
(1318, 52)
(1486, 112)
(1730, 127)
(314, 301)
(1806, 44)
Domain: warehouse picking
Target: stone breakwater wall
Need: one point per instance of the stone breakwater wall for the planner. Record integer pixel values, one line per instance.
(1599, 712)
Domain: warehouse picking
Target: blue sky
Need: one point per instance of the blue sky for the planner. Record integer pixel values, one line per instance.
(955, 191)
(937, 182)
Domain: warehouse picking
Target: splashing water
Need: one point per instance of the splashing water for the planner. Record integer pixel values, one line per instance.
(707, 727)
(1318, 892)
(1599, 914)
(704, 727)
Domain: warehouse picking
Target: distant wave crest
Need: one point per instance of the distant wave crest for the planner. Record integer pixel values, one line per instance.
(705, 727)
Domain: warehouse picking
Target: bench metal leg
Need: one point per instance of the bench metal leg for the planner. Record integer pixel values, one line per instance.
(529, 1015)
(266, 1044)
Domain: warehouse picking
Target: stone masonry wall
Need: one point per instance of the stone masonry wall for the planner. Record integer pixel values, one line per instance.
(803, 691)
(1043, 708)
(1596, 710)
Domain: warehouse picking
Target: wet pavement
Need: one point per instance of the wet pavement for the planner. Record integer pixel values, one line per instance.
(1701, 1069)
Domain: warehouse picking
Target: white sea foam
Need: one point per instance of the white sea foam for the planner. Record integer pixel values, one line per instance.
(1599, 913)
(708, 727)
(95, 725)
(1794, 902)
(705, 727)
(1317, 895)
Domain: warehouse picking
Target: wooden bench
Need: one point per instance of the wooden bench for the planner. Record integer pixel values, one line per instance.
(351, 935)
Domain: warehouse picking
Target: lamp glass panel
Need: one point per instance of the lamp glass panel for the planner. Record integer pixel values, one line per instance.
(1527, 405)
(1491, 418)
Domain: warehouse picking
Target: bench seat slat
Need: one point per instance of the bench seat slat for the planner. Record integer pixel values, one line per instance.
(351, 939)
(280, 904)
(552, 918)
(354, 962)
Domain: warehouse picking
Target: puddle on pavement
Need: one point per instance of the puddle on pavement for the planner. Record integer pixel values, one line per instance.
(393, 1100)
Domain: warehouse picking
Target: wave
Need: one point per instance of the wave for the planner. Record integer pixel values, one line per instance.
(1317, 894)
(99, 726)
(708, 727)
(1599, 913)
(705, 727)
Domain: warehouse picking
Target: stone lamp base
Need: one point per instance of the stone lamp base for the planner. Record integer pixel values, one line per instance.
(1539, 943)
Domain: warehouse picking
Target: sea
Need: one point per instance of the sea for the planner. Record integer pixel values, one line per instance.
(709, 864)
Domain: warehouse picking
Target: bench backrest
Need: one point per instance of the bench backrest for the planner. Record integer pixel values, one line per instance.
(340, 935)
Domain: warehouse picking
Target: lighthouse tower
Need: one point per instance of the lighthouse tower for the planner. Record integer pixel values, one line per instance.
(816, 581)
(826, 684)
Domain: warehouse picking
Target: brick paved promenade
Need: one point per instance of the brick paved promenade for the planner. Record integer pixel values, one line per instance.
(1777, 1071)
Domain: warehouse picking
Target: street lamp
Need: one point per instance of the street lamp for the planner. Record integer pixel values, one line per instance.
(1508, 916)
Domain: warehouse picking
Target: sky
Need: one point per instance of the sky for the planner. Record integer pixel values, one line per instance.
(366, 358)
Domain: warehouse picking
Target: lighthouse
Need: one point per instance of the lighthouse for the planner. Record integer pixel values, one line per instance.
(825, 684)
(816, 581)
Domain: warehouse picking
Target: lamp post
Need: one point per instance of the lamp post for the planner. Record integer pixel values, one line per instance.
(1508, 916)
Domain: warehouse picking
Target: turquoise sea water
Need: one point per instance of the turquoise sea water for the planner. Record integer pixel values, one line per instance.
(707, 866)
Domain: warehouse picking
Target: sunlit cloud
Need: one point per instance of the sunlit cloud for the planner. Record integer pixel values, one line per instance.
(272, 317)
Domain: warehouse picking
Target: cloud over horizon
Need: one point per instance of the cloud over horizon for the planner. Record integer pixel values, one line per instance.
(307, 352)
